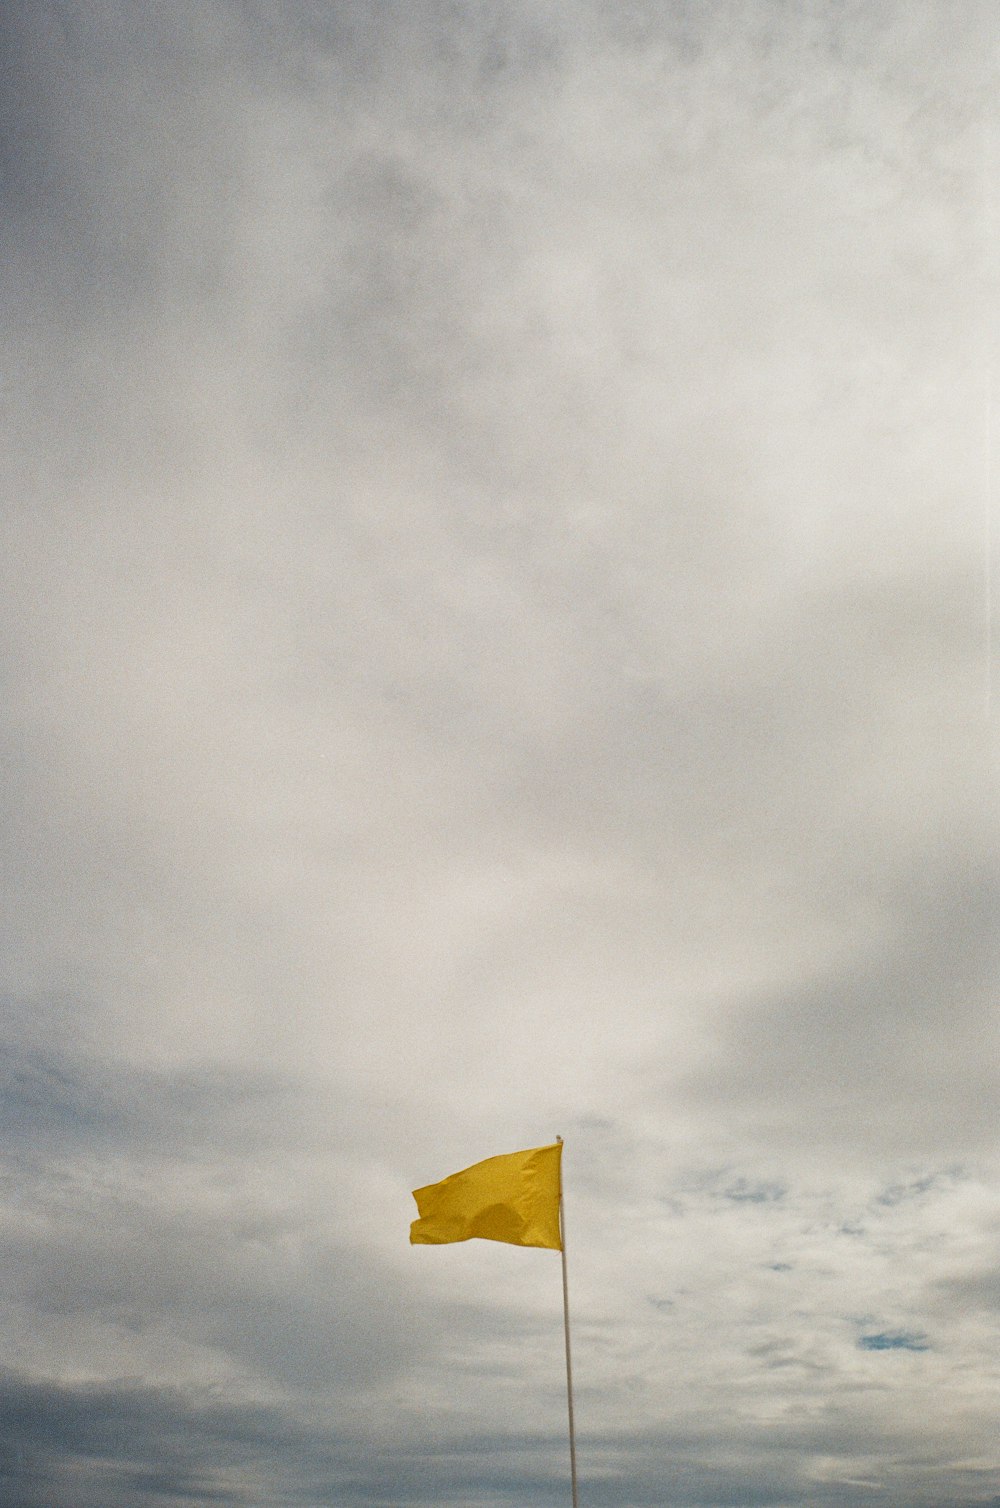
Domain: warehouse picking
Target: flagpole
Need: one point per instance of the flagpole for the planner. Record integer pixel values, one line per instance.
(569, 1363)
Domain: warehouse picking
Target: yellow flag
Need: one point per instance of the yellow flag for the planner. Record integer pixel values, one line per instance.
(514, 1198)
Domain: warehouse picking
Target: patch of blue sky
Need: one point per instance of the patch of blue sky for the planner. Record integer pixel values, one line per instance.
(894, 1340)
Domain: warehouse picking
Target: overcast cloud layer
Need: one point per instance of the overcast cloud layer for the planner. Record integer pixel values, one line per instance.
(496, 600)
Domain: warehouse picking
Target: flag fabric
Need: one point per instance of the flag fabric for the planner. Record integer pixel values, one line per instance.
(514, 1198)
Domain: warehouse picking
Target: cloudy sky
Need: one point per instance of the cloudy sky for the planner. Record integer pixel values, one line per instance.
(496, 605)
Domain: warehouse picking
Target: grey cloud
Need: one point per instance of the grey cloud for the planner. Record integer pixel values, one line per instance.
(251, 1289)
(123, 1442)
(976, 1290)
(62, 1102)
(107, 179)
(138, 1444)
(753, 1193)
(900, 1192)
(875, 1048)
(864, 1471)
(494, 613)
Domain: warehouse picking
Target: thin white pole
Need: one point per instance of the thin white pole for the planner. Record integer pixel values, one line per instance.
(569, 1363)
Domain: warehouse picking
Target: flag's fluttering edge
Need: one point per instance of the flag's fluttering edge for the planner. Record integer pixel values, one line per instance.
(514, 1198)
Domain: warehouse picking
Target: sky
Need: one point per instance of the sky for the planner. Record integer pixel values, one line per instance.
(497, 594)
